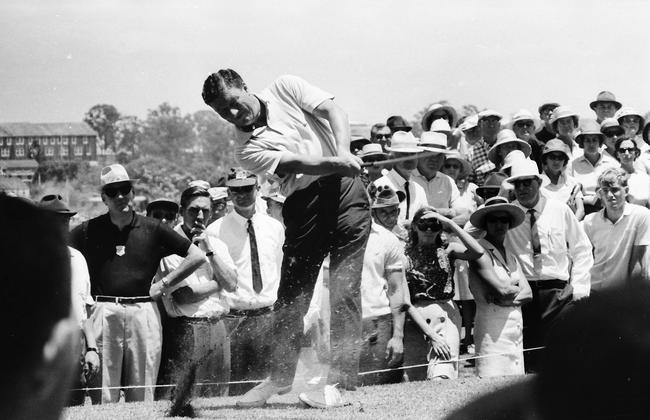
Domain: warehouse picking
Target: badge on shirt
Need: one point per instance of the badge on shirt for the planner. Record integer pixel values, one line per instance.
(120, 250)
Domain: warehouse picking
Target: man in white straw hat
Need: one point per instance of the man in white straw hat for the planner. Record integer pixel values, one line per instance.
(400, 178)
(123, 250)
(441, 191)
(553, 251)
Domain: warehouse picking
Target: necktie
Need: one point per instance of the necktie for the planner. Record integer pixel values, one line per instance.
(255, 258)
(537, 247)
(408, 198)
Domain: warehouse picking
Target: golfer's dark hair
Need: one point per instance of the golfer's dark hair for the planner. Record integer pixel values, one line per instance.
(192, 192)
(35, 278)
(215, 84)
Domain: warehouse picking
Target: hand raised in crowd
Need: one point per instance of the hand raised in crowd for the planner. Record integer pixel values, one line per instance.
(394, 352)
(199, 237)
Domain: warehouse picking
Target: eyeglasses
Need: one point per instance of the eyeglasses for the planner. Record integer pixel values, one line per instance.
(112, 192)
(523, 182)
(504, 220)
(428, 224)
(626, 150)
(383, 136)
(242, 190)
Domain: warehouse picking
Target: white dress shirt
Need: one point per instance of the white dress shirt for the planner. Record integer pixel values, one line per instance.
(418, 197)
(232, 229)
(565, 247)
(79, 285)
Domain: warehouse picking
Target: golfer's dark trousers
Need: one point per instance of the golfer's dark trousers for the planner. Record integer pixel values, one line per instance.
(551, 300)
(330, 216)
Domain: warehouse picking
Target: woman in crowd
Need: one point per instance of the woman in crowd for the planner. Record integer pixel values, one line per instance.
(506, 142)
(499, 293)
(459, 169)
(632, 122)
(565, 122)
(587, 168)
(429, 274)
(556, 182)
(638, 181)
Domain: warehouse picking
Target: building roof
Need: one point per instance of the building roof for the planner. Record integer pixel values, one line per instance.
(19, 163)
(23, 129)
(8, 183)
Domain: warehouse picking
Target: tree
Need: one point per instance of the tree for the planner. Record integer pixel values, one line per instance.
(102, 119)
(167, 133)
(128, 135)
(215, 138)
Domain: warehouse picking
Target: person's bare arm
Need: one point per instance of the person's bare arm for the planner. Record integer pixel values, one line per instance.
(395, 346)
(347, 165)
(501, 286)
(193, 260)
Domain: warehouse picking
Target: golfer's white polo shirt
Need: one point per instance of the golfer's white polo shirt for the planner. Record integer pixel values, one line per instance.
(613, 243)
(291, 129)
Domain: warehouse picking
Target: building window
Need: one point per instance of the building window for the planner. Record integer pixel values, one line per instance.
(85, 141)
(73, 141)
(8, 141)
(63, 151)
(52, 141)
(49, 151)
(20, 142)
(20, 152)
(64, 141)
(58, 140)
(4, 152)
(78, 151)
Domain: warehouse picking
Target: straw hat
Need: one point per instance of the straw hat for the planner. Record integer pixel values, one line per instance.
(440, 126)
(587, 127)
(404, 142)
(466, 166)
(427, 118)
(605, 96)
(523, 168)
(507, 136)
(627, 110)
(494, 205)
(112, 174)
(611, 125)
(524, 115)
(431, 141)
(563, 111)
(489, 113)
(555, 145)
(492, 182)
(372, 150)
(511, 157)
(469, 123)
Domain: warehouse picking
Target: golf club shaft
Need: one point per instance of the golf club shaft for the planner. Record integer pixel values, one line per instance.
(399, 159)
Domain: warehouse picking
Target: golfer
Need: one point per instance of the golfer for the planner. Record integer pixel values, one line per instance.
(294, 133)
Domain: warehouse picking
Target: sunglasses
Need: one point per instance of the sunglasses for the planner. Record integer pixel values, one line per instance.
(523, 182)
(504, 220)
(428, 224)
(157, 214)
(383, 136)
(626, 150)
(242, 190)
(112, 192)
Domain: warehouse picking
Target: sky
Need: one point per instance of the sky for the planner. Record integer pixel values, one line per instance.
(377, 57)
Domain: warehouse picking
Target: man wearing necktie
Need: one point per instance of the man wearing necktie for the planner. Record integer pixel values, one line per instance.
(255, 244)
(554, 252)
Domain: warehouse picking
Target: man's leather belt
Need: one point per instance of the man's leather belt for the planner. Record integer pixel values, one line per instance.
(123, 300)
(250, 312)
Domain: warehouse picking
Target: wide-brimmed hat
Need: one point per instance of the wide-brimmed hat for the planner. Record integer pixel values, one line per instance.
(164, 203)
(492, 182)
(587, 127)
(523, 168)
(373, 150)
(427, 118)
(563, 111)
(431, 141)
(404, 142)
(218, 193)
(497, 204)
(556, 145)
(398, 123)
(239, 177)
(611, 124)
(466, 166)
(507, 136)
(386, 197)
(112, 174)
(628, 110)
(605, 96)
(199, 183)
(524, 115)
(511, 157)
(469, 123)
(440, 126)
(55, 203)
(489, 113)
(546, 105)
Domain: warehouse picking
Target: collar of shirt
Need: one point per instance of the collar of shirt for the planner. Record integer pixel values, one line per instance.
(601, 159)
(562, 179)
(494, 251)
(134, 223)
(538, 207)
(417, 174)
(271, 122)
(627, 210)
(396, 178)
(240, 220)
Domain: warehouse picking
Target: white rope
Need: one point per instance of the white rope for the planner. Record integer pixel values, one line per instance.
(258, 381)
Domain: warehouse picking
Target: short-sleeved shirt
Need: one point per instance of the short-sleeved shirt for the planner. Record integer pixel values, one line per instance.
(565, 188)
(211, 306)
(292, 129)
(384, 254)
(441, 190)
(481, 165)
(123, 262)
(613, 243)
(639, 188)
(587, 174)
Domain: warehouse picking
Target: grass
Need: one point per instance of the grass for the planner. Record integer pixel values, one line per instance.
(411, 400)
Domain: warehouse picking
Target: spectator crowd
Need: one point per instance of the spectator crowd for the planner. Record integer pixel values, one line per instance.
(484, 231)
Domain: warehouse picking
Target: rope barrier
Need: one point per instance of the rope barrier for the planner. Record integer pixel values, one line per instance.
(371, 372)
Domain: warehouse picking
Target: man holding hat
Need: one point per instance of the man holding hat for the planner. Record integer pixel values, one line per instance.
(489, 122)
(545, 110)
(605, 105)
(553, 251)
(123, 250)
(254, 240)
(404, 145)
(81, 297)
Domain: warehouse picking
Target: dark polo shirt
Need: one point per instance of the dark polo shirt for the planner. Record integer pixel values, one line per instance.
(123, 262)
